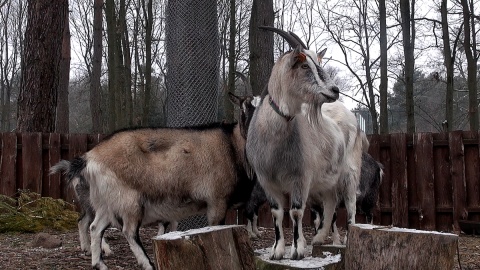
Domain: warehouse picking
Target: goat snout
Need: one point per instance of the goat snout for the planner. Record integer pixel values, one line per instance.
(335, 90)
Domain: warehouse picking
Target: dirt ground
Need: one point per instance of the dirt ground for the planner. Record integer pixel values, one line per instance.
(15, 252)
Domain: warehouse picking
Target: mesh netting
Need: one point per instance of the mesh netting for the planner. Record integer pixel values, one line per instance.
(192, 62)
(192, 69)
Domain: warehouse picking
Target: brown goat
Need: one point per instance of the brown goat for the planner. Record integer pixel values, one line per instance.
(147, 175)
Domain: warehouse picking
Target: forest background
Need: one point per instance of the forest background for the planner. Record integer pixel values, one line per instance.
(402, 66)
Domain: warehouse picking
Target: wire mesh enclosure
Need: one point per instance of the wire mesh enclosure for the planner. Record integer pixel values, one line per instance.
(192, 62)
(192, 48)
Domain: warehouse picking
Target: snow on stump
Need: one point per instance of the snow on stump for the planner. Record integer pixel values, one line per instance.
(327, 261)
(377, 247)
(216, 247)
(323, 251)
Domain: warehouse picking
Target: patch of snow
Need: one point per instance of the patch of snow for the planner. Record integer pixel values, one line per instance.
(186, 234)
(397, 229)
(308, 262)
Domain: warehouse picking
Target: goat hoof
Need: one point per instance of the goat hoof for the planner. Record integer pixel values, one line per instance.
(277, 254)
(297, 255)
(100, 266)
(276, 257)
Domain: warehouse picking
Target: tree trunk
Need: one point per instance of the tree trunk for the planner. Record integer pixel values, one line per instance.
(261, 45)
(372, 108)
(470, 51)
(63, 109)
(228, 106)
(408, 49)
(383, 69)
(37, 100)
(219, 247)
(95, 85)
(112, 78)
(448, 61)
(371, 247)
(148, 14)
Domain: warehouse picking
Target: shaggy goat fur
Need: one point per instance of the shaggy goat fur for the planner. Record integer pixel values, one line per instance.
(148, 175)
(303, 154)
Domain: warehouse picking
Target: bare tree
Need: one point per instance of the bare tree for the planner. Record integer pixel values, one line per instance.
(37, 101)
(352, 26)
(95, 83)
(383, 68)
(228, 106)
(261, 45)
(148, 15)
(469, 44)
(64, 77)
(12, 29)
(449, 59)
(408, 33)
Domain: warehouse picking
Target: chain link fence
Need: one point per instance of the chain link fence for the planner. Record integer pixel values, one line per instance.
(192, 79)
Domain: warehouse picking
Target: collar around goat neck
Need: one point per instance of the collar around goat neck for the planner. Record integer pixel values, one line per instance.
(277, 110)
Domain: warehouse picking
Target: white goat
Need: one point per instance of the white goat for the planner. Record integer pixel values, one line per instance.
(306, 155)
(149, 175)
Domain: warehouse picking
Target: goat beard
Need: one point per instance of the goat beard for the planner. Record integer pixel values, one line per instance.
(312, 112)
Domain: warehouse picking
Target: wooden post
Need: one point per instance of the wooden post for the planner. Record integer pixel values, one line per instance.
(398, 153)
(217, 247)
(457, 168)
(423, 144)
(8, 164)
(375, 247)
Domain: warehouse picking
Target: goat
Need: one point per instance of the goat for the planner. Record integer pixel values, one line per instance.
(303, 154)
(370, 180)
(147, 175)
(87, 214)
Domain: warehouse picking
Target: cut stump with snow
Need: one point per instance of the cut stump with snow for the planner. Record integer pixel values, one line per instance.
(377, 247)
(216, 247)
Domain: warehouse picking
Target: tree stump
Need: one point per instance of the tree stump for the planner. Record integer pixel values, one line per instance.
(376, 247)
(217, 247)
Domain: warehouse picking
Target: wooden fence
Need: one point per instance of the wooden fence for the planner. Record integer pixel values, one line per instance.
(431, 180)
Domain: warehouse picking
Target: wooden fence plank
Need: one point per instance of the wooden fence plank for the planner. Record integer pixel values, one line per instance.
(77, 147)
(374, 151)
(458, 177)
(423, 147)
(398, 155)
(32, 162)
(413, 199)
(52, 183)
(443, 183)
(386, 186)
(8, 164)
(265, 216)
(472, 174)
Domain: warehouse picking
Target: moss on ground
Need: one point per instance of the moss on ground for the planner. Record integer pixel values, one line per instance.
(29, 212)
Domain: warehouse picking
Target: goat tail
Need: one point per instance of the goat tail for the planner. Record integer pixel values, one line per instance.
(72, 170)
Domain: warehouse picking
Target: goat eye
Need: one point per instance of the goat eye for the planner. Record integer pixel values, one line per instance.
(305, 66)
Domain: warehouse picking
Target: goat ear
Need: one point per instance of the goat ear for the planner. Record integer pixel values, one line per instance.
(299, 56)
(321, 54)
(235, 99)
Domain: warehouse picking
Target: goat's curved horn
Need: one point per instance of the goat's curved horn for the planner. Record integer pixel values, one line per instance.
(298, 40)
(248, 87)
(293, 41)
